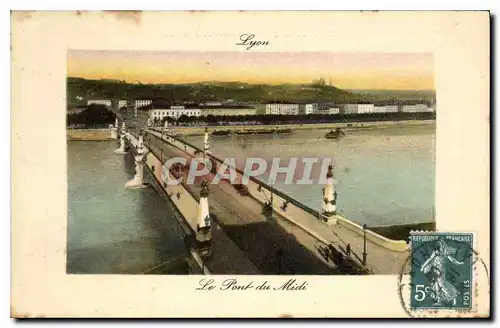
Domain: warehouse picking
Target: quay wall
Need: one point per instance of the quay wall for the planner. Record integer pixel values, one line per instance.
(293, 205)
(199, 130)
(393, 245)
(89, 134)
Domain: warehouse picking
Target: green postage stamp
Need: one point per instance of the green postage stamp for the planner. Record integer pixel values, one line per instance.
(442, 270)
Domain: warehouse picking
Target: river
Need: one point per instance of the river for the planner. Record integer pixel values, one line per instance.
(111, 229)
(384, 176)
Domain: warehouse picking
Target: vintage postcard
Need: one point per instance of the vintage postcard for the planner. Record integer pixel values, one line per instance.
(302, 164)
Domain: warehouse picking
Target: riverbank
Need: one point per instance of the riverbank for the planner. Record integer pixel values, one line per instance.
(199, 130)
(402, 232)
(88, 134)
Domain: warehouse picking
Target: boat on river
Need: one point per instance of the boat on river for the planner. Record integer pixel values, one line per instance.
(335, 134)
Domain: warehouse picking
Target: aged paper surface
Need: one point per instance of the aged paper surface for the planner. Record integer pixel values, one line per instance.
(459, 42)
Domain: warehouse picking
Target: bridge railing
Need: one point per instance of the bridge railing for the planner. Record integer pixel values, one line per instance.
(253, 179)
(393, 245)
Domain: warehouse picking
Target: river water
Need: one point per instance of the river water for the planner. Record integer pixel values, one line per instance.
(384, 176)
(112, 229)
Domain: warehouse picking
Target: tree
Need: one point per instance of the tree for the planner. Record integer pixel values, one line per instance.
(92, 116)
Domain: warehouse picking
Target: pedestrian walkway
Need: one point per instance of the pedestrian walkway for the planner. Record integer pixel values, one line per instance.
(379, 260)
(260, 236)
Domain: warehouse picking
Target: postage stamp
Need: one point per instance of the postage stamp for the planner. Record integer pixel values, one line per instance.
(442, 271)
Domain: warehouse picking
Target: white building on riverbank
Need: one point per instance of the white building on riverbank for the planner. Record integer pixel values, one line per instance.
(227, 111)
(380, 109)
(282, 109)
(366, 108)
(371, 108)
(415, 108)
(349, 108)
(142, 103)
(105, 102)
(322, 109)
(327, 111)
(122, 103)
(392, 108)
(173, 112)
(310, 108)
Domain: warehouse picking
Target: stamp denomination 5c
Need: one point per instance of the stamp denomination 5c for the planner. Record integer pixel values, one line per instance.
(441, 270)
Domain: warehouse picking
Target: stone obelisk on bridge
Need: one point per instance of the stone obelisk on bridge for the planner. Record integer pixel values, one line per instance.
(329, 209)
(203, 226)
(138, 179)
(114, 130)
(123, 133)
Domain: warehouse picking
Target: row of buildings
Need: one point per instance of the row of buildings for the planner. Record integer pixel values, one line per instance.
(286, 109)
(178, 111)
(317, 109)
(159, 111)
(296, 109)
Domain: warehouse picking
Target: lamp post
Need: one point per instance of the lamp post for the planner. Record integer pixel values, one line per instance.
(280, 256)
(320, 212)
(364, 244)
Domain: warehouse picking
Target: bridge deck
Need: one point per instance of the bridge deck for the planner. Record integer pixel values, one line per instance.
(226, 257)
(260, 235)
(308, 231)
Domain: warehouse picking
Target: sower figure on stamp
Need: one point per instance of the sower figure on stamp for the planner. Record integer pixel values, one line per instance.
(331, 253)
(435, 269)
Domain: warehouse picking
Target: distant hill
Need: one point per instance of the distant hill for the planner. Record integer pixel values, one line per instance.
(202, 91)
(401, 95)
(79, 89)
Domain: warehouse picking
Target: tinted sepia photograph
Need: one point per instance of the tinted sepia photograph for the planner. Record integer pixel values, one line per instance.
(302, 163)
(276, 164)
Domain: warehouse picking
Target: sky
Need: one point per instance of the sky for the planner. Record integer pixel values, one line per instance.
(382, 71)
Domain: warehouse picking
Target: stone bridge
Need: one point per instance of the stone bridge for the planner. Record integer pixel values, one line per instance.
(278, 233)
(350, 242)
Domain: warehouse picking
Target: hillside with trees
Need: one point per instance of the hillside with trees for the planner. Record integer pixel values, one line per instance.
(95, 116)
(79, 89)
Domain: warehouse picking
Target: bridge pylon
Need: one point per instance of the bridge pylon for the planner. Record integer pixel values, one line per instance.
(203, 226)
(138, 179)
(114, 130)
(329, 210)
(123, 133)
